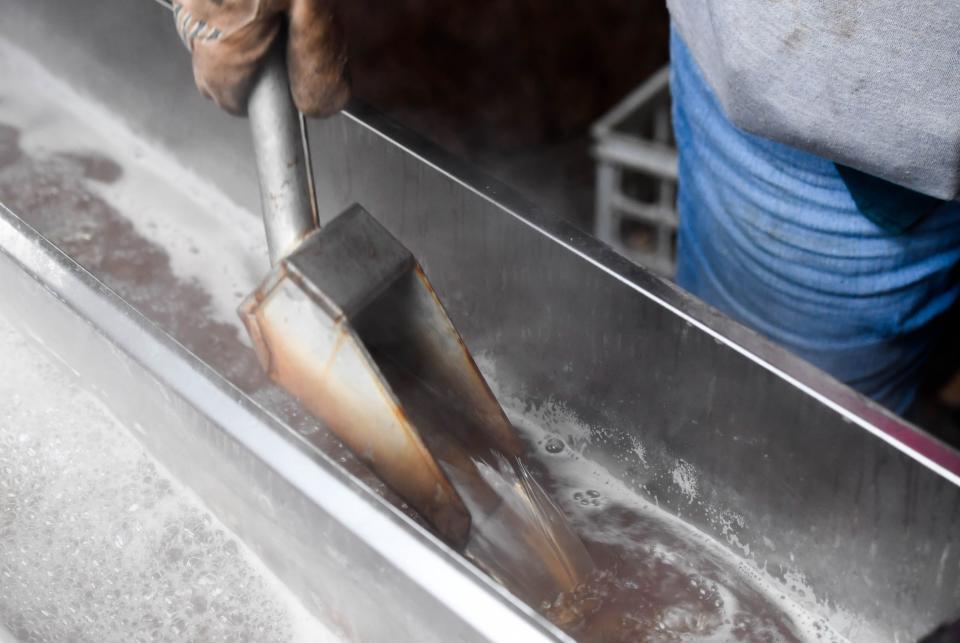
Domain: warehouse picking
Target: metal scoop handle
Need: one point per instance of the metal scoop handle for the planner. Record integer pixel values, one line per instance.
(287, 194)
(279, 131)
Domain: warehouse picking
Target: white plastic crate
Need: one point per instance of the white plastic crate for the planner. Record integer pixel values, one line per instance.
(636, 181)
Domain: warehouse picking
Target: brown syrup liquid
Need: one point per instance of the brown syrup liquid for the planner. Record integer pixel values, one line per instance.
(655, 583)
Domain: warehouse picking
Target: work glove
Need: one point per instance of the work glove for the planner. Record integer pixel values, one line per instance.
(229, 40)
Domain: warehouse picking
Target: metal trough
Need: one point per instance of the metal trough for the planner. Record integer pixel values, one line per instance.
(793, 471)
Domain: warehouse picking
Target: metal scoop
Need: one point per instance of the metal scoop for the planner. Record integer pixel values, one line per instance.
(348, 322)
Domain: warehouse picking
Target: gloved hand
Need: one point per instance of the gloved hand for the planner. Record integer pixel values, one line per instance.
(230, 38)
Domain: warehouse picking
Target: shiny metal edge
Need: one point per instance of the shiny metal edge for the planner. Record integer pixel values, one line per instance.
(439, 595)
(858, 409)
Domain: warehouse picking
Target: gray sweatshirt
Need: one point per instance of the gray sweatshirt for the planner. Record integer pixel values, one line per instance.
(872, 84)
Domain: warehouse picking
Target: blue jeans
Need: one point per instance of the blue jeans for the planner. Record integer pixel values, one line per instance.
(771, 236)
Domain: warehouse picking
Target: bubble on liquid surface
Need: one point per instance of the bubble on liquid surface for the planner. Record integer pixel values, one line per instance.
(554, 445)
(97, 543)
(588, 498)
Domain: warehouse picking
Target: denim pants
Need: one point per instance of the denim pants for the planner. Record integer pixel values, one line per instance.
(770, 236)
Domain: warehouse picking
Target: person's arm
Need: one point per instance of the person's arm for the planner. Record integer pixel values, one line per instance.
(230, 38)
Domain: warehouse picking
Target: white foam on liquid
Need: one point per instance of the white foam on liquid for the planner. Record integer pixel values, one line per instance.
(98, 542)
(575, 473)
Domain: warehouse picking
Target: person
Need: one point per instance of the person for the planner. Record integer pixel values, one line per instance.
(819, 161)
(819, 167)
